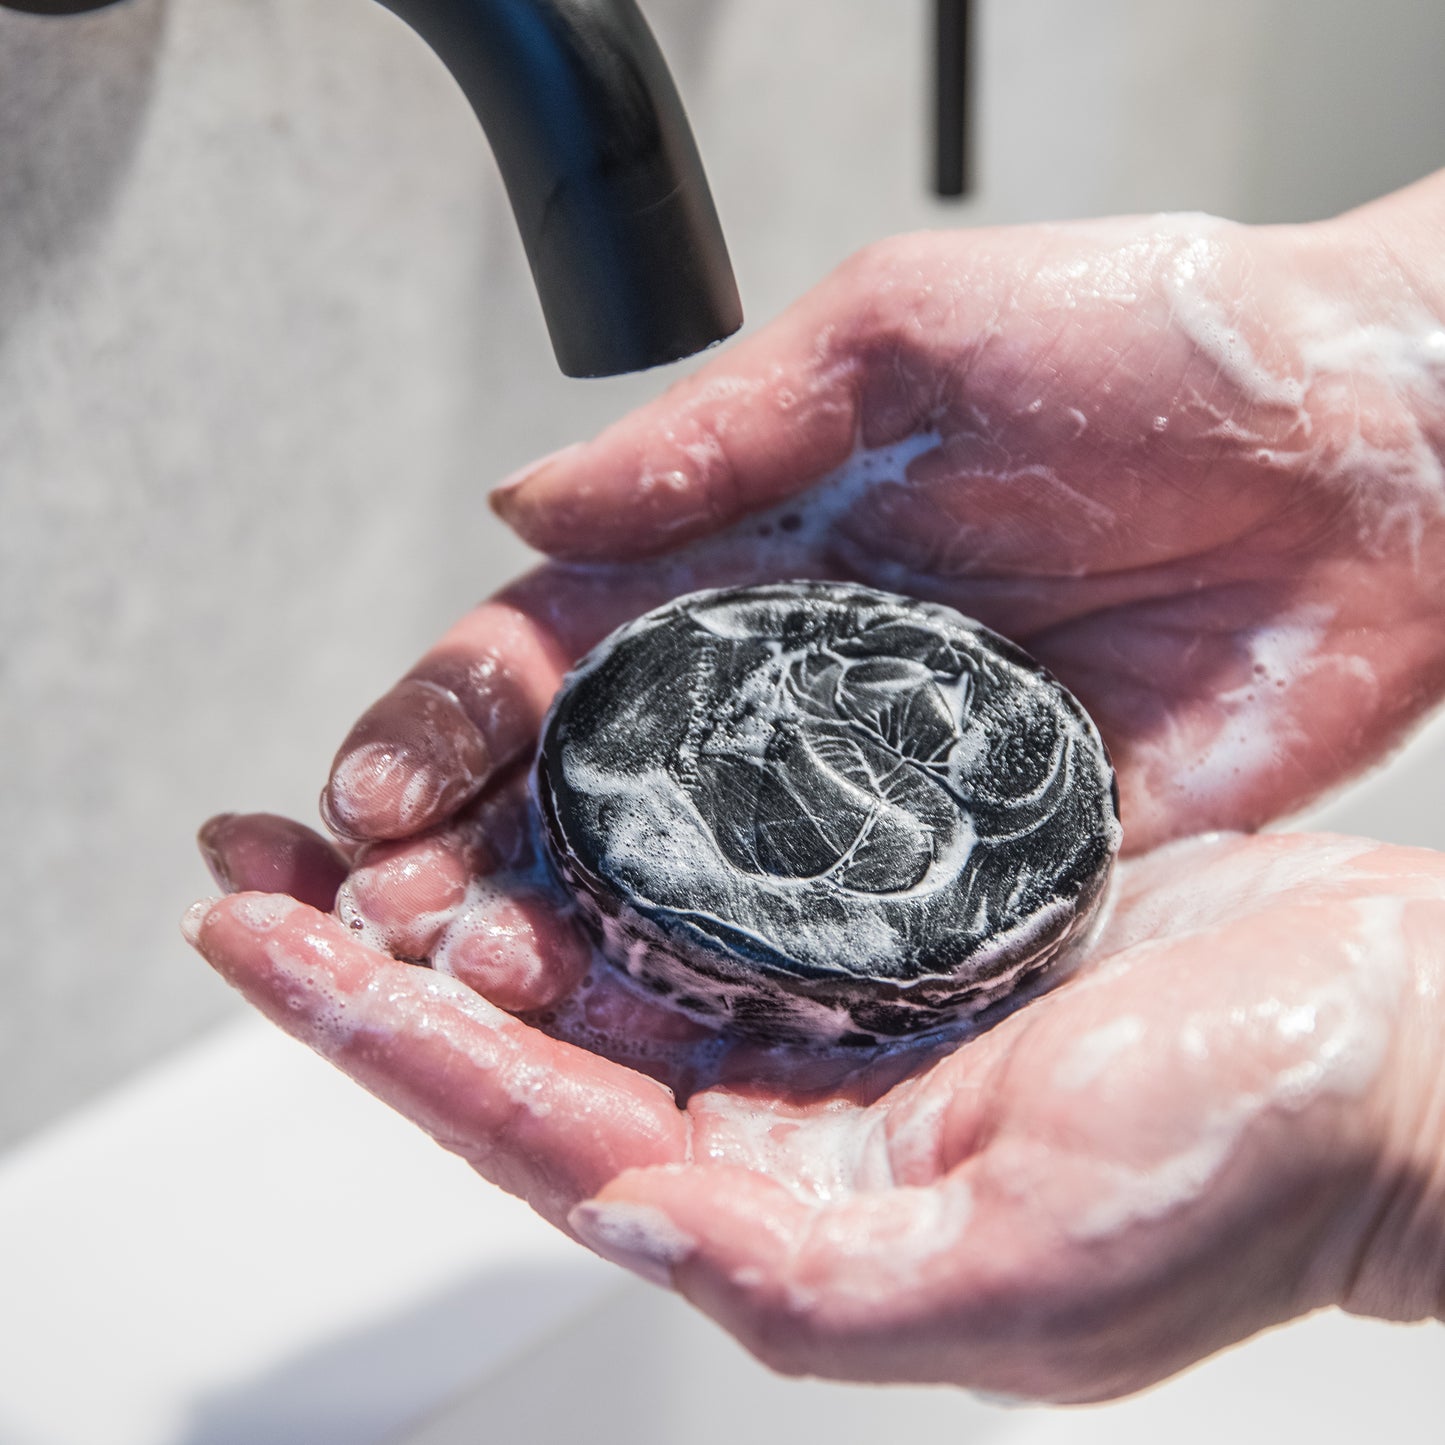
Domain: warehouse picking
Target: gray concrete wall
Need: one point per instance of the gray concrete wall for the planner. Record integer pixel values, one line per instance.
(266, 337)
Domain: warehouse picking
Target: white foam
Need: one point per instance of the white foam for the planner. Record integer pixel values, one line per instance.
(362, 927)
(825, 1155)
(1198, 883)
(195, 918)
(1331, 1040)
(1385, 465)
(1169, 1184)
(1090, 1055)
(264, 913)
(375, 768)
(1410, 353)
(1254, 732)
(511, 945)
(1199, 312)
(884, 1246)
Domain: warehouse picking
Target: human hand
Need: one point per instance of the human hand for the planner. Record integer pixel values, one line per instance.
(1194, 467)
(1222, 1120)
(1251, 615)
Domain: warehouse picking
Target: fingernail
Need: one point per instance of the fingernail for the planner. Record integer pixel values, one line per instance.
(639, 1237)
(208, 840)
(509, 486)
(413, 759)
(194, 918)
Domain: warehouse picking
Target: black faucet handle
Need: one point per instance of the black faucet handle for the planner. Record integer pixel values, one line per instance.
(954, 29)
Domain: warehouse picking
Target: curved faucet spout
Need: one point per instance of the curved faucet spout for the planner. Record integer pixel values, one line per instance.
(602, 171)
(601, 167)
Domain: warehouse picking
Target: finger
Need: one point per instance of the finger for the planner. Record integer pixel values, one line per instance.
(610, 1016)
(541, 1118)
(401, 897)
(471, 708)
(264, 853)
(457, 898)
(403, 894)
(848, 1289)
(467, 711)
(426, 900)
(762, 422)
(513, 946)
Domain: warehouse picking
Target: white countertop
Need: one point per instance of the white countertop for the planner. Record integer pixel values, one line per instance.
(243, 1246)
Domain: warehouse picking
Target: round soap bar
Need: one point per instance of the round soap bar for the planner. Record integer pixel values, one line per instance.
(820, 812)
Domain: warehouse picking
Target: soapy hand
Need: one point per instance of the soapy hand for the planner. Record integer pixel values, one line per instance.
(1193, 467)
(1196, 470)
(1219, 1122)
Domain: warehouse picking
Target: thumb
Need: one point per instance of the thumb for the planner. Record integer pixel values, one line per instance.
(836, 1288)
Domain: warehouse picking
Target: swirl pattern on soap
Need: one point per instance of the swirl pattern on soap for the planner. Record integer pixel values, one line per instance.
(847, 750)
(819, 785)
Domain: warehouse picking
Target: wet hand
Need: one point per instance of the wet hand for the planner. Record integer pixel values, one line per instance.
(1194, 467)
(1211, 503)
(1219, 1122)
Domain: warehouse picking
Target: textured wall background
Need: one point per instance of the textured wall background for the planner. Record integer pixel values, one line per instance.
(266, 336)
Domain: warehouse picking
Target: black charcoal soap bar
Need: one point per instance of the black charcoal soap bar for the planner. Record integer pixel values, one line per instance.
(820, 812)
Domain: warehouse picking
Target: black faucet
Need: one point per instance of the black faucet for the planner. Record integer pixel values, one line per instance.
(600, 165)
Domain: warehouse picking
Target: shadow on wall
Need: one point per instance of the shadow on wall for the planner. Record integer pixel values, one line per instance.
(74, 91)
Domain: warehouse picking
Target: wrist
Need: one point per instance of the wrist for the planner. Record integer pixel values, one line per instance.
(1399, 1272)
(1401, 238)
(1365, 295)
(1389, 258)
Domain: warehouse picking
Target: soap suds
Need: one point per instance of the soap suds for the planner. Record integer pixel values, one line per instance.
(1197, 884)
(1385, 464)
(366, 771)
(264, 912)
(194, 920)
(1255, 732)
(1095, 1051)
(822, 1156)
(1333, 1042)
(883, 1247)
(1148, 1194)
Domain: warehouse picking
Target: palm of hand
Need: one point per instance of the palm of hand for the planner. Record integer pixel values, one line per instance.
(1161, 455)
(1136, 1169)
(1024, 1210)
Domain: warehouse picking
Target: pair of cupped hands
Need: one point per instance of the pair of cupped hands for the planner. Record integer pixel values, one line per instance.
(1194, 468)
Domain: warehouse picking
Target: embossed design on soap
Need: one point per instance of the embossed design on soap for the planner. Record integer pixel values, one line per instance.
(818, 811)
